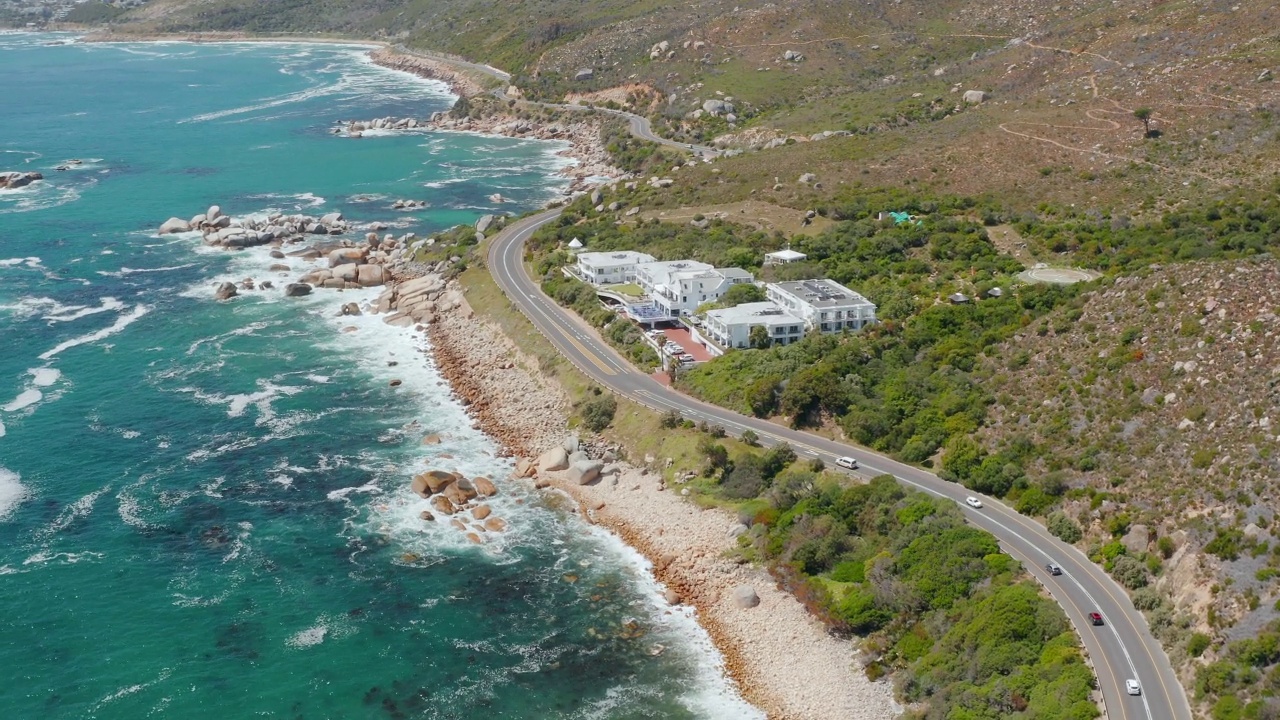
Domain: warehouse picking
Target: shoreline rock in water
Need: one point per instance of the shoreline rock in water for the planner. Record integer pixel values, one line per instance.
(13, 180)
(351, 264)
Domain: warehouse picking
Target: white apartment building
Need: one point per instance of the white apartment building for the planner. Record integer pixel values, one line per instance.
(824, 305)
(610, 268)
(731, 327)
(678, 287)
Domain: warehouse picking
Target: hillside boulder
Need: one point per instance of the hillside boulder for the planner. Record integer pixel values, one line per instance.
(974, 97)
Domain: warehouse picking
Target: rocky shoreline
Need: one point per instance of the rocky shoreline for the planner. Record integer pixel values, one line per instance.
(591, 166)
(783, 659)
(459, 82)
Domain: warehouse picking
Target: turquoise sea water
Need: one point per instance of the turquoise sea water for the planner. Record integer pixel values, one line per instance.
(203, 506)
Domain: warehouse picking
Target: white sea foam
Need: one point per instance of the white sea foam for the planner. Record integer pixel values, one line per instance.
(31, 262)
(130, 690)
(119, 325)
(79, 509)
(122, 272)
(64, 313)
(44, 377)
(25, 398)
(307, 638)
(12, 492)
(2, 430)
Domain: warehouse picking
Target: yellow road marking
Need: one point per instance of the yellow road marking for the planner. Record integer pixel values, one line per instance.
(590, 356)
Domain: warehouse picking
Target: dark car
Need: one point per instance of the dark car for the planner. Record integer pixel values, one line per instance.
(1095, 618)
(1053, 569)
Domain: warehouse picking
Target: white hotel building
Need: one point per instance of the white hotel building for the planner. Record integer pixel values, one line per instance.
(678, 287)
(824, 305)
(610, 268)
(731, 327)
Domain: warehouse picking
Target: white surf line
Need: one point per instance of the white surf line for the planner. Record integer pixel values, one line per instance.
(120, 324)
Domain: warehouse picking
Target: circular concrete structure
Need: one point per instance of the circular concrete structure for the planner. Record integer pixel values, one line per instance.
(1057, 276)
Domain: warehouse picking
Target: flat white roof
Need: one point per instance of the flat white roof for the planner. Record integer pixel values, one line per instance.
(613, 259)
(787, 255)
(757, 312)
(823, 293)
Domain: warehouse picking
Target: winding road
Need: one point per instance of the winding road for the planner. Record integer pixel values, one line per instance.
(639, 125)
(1121, 648)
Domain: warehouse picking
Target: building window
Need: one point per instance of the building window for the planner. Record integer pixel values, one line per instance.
(826, 326)
(795, 329)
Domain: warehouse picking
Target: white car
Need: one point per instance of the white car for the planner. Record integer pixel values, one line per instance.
(847, 462)
(1132, 687)
(973, 502)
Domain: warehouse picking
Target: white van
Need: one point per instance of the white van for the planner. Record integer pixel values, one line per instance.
(847, 462)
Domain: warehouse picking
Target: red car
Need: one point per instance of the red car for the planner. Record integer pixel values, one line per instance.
(1095, 618)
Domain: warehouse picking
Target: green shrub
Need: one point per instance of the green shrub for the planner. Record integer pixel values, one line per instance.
(597, 412)
(1197, 644)
(1064, 528)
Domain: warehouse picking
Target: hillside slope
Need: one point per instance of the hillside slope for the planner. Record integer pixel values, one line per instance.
(1062, 79)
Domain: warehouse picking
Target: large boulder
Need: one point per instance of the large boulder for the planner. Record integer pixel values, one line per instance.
(213, 213)
(347, 273)
(225, 291)
(15, 180)
(717, 107)
(483, 223)
(584, 472)
(974, 97)
(331, 219)
(437, 480)
(461, 492)
(485, 486)
(526, 468)
(744, 596)
(481, 512)
(554, 459)
(443, 505)
(297, 289)
(371, 275)
(343, 256)
(174, 225)
(495, 524)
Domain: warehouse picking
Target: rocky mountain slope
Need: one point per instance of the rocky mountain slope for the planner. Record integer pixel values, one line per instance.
(1151, 410)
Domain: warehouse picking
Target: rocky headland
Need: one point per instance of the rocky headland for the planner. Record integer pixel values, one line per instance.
(591, 160)
(458, 81)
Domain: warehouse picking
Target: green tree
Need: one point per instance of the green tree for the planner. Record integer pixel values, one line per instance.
(742, 293)
(1063, 527)
(762, 395)
(1144, 115)
(759, 338)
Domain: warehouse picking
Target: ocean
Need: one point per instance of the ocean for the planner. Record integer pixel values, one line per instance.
(204, 506)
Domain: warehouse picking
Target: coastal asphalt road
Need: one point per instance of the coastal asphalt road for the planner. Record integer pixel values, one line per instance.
(638, 125)
(1121, 648)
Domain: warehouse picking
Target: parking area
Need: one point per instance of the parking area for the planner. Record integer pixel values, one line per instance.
(682, 337)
